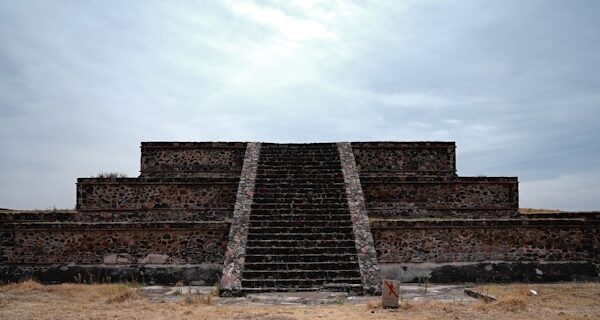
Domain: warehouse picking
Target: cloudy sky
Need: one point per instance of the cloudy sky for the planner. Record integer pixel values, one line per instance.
(514, 83)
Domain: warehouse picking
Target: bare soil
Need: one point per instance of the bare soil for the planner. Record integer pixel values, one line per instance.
(30, 300)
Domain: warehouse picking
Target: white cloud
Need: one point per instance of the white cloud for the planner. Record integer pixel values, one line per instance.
(82, 83)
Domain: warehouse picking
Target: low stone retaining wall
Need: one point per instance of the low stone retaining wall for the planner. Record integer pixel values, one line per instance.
(405, 158)
(415, 241)
(31, 246)
(192, 159)
(137, 193)
(490, 271)
(431, 197)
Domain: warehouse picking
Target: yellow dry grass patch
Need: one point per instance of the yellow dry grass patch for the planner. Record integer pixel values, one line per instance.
(534, 210)
(30, 300)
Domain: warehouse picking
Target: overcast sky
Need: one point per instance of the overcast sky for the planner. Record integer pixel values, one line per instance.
(515, 83)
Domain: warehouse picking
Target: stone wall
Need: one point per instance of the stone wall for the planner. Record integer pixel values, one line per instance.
(151, 215)
(458, 197)
(443, 241)
(136, 194)
(95, 243)
(405, 158)
(192, 159)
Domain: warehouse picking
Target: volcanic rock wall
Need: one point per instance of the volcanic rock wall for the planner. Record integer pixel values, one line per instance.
(172, 222)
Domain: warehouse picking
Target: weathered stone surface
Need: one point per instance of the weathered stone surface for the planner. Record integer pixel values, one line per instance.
(135, 194)
(192, 159)
(119, 258)
(490, 271)
(231, 281)
(301, 236)
(89, 243)
(181, 205)
(207, 273)
(154, 258)
(486, 240)
(365, 247)
(456, 197)
(405, 158)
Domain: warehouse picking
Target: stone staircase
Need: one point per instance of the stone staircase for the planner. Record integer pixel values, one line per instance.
(300, 236)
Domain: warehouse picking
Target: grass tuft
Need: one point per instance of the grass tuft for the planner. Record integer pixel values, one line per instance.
(120, 293)
(374, 304)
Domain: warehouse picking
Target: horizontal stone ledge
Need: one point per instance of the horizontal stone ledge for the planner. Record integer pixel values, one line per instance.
(490, 271)
(172, 169)
(392, 210)
(372, 208)
(160, 180)
(193, 145)
(116, 226)
(482, 223)
(404, 145)
(205, 274)
(363, 171)
(222, 209)
(366, 181)
(118, 216)
(555, 215)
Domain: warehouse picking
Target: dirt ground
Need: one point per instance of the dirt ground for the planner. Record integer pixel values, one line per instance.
(30, 300)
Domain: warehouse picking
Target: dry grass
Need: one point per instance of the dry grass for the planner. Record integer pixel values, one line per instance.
(534, 210)
(120, 293)
(30, 300)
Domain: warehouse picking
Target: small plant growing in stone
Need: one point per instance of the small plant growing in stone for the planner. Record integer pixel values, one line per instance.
(423, 285)
(111, 175)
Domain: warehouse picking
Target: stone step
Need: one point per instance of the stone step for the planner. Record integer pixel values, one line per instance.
(299, 243)
(301, 266)
(310, 229)
(282, 196)
(284, 192)
(322, 162)
(280, 174)
(322, 206)
(287, 152)
(337, 257)
(287, 218)
(298, 194)
(299, 153)
(296, 283)
(304, 173)
(309, 179)
(301, 274)
(298, 185)
(299, 146)
(339, 287)
(301, 236)
(306, 200)
(296, 250)
(306, 211)
(297, 168)
(299, 223)
(272, 188)
(290, 147)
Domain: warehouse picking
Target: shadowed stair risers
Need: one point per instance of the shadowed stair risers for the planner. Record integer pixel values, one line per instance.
(300, 235)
